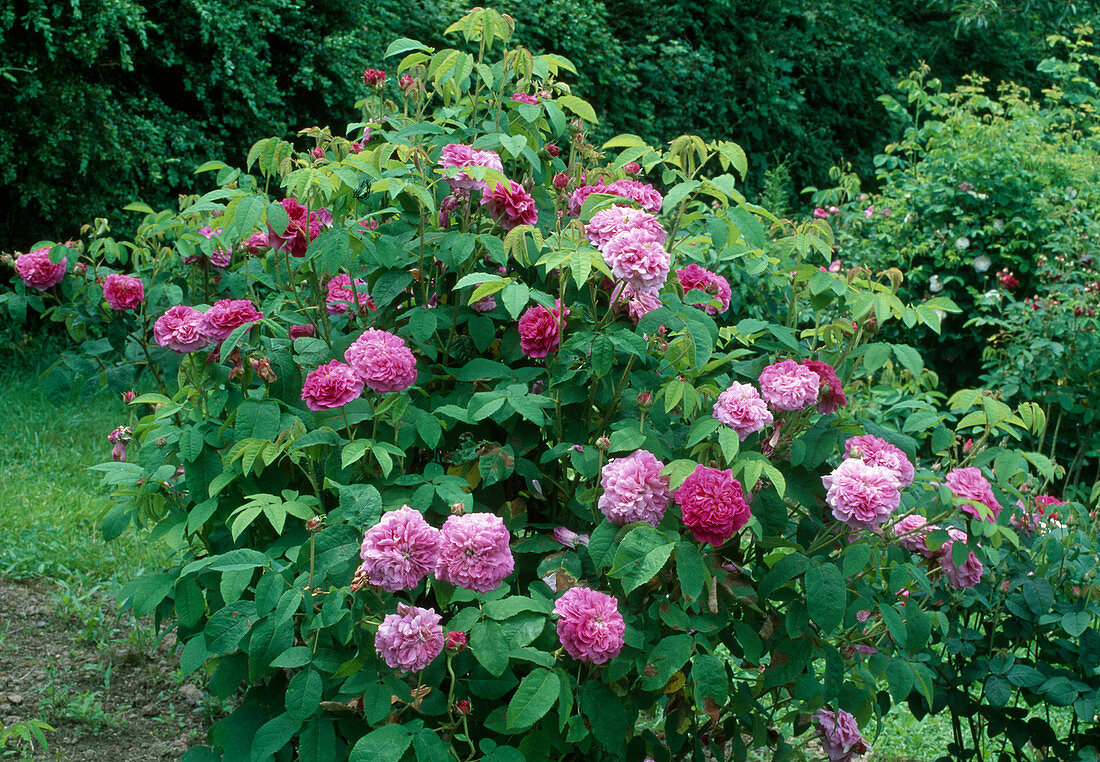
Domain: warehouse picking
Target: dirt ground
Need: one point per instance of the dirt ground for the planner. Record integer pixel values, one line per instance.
(109, 689)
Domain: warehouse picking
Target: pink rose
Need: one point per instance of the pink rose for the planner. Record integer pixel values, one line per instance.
(180, 329)
(878, 452)
(302, 228)
(912, 533)
(634, 302)
(123, 292)
(227, 315)
(608, 223)
(400, 550)
(374, 78)
(341, 296)
(788, 386)
(525, 98)
(970, 487)
(712, 504)
(741, 408)
(967, 575)
(459, 155)
(540, 331)
(839, 734)
(256, 244)
(299, 331)
(831, 396)
(510, 205)
(637, 260)
(860, 495)
(634, 490)
(331, 385)
(695, 277)
(474, 552)
(590, 626)
(409, 640)
(37, 271)
(382, 361)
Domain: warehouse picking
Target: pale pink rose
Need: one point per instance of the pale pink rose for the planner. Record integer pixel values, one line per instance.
(459, 155)
(225, 316)
(341, 296)
(635, 302)
(878, 452)
(331, 385)
(590, 626)
(400, 550)
(608, 223)
(968, 484)
(123, 292)
(474, 552)
(37, 271)
(860, 495)
(698, 278)
(634, 490)
(510, 205)
(637, 260)
(410, 640)
(712, 504)
(382, 361)
(540, 331)
(967, 575)
(567, 538)
(742, 409)
(839, 735)
(180, 329)
(912, 533)
(831, 396)
(788, 386)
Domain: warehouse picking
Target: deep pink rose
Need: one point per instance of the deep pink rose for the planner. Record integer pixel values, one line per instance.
(299, 331)
(510, 205)
(302, 228)
(831, 396)
(839, 734)
(180, 329)
(37, 271)
(970, 486)
(410, 640)
(331, 385)
(590, 626)
(400, 550)
(878, 452)
(967, 575)
(382, 361)
(341, 296)
(712, 504)
(525, 98)
(698, 278)
(539, 331)
(226, 315)
(123, 292)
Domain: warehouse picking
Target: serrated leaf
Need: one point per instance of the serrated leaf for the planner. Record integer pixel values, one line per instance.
(534, 697)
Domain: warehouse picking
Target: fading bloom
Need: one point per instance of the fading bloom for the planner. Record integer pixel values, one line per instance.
(37, 271)
(839, 735)
(400, 550)
(962, 243)
(788, 386)
(634, 490)
(934, 284)
(567, 538)
(590, 626)
(638, 260)
(860, 495)
(225, 316)
(382, 361)
(878, 452)
(831, 397)
(474, 552)
(123, 292)
(180, 329)
(256, 244)
(712, 504)
(968, 485)
(410, 639)
(742, 409)
(525, 98)
(341, 296)
(510, 205)
(608, 223)
(635, 302)
(981, 263)
(694, 277)
(967, 575)
(540, 331)
(331, 385)
(119, 438)
(459, 155)
(912, 533)
(485, 304)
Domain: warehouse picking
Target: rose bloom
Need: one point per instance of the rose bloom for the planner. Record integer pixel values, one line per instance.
(220, 257)
(590, 626)
(912, 533)
(540, 331)
(226, 315)
(634, 302)
(409, 640)
(712, 504)
(123, 292)
(608, 223)
(37, 271)
(525, 98)
(878, 452)
(180, 329)
(831, 396)
(789, 386)
(567, 538)
(510, 205)
(331, 385)
(400, 550)
(474, 552)
(969, 484)
(459, 155)
(741, 408)
(374, 78)
(340, 295)
(638, 260)
(485, 304)
(256, 244)
(634, 490)
(860, 495)
(967, 575)
(839, 734)
(695, 277)
(302, 228)
(382, 361)
(300, 331)
(641, 193)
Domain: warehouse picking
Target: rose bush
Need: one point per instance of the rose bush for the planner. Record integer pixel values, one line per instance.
(535, 499)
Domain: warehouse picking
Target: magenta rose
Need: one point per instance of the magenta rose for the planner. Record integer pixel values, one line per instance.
(331, 385)
(831, 396)
(409, 640)
(969, 573)
(878, 452)
(382, 361)
(226, 315)
(37, 271)
(180, 329)
(123, 292)
(474, 552)
(970, 487)
(539, 331)
(590, 626)
(839, 734)
(510, 205)
(459, 155)
(694, 277)
(712, 504)
(341, 296)
(302, 228)
(788, 386)
(400, 550)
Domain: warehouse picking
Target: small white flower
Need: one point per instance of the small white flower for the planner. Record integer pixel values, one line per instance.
(908, 217)
(934, 284)
(962, 242)
(981, 263)
(993, 295)
(999, 225)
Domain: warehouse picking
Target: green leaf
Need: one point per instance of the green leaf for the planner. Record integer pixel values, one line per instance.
(666, 658)
(611, 718)
(1039, 595)
(641, 555)
(998, 691)
(515, 297)
(303, 694)
(228, 625)
(190, 604)
(826, 596)
(710, 678)
(579, 107)
(385, 744)
(1075, 623)
(600, 542)
(273, 735)
(690, 570)
(429, 747)
(489, 646)
(534, 697)
(191, 443)
(150, 591)
(899, 679)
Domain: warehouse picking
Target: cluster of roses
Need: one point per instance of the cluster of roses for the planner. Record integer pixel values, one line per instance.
(470, 551)
(378, 360)
(184, 329)
(122, 292)
(507, 202)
